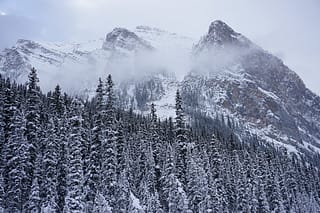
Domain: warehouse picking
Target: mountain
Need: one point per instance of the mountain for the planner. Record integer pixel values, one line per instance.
(220, 34)
(121, 39)
(121, 53)
(256, 88)
(223, 73)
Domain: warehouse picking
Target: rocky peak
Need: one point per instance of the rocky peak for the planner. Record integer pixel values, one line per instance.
(220, 32)
(121, 38)
(23, 43)
(220, 35)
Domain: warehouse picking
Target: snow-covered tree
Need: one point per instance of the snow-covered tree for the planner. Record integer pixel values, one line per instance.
(98, 137)
(108, 154)
(50, 167)
(197, 184)
(2, 193)
(17, 157)
(181, 139)
(33, 115)
(75, 179)
(121, 148)
(34, 201)
(91, 156)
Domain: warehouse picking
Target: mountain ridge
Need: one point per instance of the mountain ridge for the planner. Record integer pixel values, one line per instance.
(251, 85)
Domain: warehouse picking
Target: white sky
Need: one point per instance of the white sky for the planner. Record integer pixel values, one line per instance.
(288, 28)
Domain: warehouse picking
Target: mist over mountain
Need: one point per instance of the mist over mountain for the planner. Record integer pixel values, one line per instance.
(224, 70)
(219, 122)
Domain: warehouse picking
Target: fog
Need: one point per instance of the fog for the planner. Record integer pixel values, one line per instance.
(74, 76)
(286, 28)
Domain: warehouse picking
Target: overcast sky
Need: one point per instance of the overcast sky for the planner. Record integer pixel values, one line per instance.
(288, 28)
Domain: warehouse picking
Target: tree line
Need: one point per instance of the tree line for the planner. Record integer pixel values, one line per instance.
(65, 154)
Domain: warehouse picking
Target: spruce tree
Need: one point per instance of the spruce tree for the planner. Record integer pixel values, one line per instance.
(58, 114)
(108, 148)
(173, 193)
(50, 166)
(34, 198)
(121, 148)
(33, 115)
(155, 140)
(2, 194)
(122, 193)
(9, 107)
(75, 179)
(57, 103)
(197, 184)
(62, 165)
(169, 183)
(98, 131)
(181, 139)
(17, 165)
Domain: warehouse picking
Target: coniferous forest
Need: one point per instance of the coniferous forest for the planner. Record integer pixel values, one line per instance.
(66, 154)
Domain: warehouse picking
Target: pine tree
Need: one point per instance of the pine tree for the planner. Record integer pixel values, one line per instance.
(57, 102)
(34, 198)
(263, 204)
(169, 184)
(74, 199)
(17, 165)
(122, 193)
(110, 105)
(215, 191)
(101, 205)
(148, 193)
(121, 148)
(2, 123)
(2, 194)
(197, 183)
(33, 115)
(277, 201)
(109, 159)
(156, 141)
(181, 139)
(9, 110)
(50, 166)
(262, 199)
(242, 196)
(58, 115)
(62, 166)
(9, 107)
(94, 164)
(173, 193)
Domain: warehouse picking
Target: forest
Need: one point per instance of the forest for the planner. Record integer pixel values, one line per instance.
(61, 153)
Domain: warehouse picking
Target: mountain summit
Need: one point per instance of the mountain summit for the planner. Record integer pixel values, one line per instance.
(221, 35)
(121, 38)
(220, 32)
(243, 81)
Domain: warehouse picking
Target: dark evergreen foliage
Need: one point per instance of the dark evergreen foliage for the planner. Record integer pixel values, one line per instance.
(60, 153)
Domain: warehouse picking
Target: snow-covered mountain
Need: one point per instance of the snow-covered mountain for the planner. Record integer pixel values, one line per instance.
(222, 73)
(121, 53)
(256, 88)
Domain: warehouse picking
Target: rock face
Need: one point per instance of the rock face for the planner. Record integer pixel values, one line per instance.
(47, 57)
(123, 39)
(228, 74)
(220, 35)
(256, 88)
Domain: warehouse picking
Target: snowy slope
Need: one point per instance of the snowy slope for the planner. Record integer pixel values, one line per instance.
(163, 40)
(256, 88)
(222, 73)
